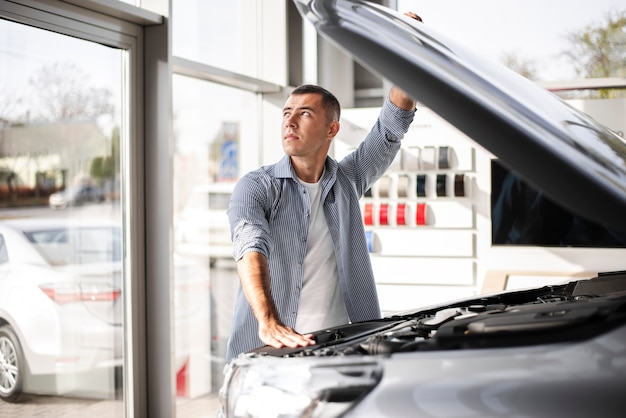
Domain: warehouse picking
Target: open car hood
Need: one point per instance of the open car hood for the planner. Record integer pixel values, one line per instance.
(557, 149)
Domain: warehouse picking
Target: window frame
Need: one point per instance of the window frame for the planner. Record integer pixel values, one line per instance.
(147, 173)
(123, 26)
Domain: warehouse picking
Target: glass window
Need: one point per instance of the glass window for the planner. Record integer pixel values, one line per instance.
(3, 251)
(209, 123)
(217, 33)
(60, 105)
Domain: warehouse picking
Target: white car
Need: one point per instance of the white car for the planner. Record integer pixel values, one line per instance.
(60, 304)
(61, 314)
(203, 229)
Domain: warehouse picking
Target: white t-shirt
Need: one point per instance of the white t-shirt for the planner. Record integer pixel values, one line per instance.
(321, 304)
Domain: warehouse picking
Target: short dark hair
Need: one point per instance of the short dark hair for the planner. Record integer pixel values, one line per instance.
(330, 102)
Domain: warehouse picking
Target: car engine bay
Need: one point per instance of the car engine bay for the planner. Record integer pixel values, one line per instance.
(551, 314)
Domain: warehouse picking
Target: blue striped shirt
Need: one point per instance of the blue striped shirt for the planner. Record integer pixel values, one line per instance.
(268, 214)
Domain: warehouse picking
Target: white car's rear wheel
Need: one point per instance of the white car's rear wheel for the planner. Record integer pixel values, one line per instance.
(12, 365)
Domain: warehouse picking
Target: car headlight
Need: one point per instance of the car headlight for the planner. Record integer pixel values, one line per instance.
(296, 387)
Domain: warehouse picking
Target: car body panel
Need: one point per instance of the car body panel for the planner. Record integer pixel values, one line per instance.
(77, 326)
(545, 380)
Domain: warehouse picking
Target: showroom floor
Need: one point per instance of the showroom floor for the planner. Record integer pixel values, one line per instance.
(60, 407)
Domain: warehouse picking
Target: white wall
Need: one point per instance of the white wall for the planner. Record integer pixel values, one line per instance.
(609, 112)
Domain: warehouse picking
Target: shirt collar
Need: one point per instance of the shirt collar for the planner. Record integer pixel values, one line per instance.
(284, 169)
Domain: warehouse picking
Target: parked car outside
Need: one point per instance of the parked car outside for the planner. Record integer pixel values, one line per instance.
(202, 229)
(60, 305)
(61, 314)
(557, 350)
(76, 196)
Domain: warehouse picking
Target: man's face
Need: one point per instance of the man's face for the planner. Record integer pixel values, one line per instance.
(306, 129)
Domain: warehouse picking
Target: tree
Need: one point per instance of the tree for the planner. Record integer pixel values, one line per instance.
(520, 65)
(599, 49)
(107, 167)
(9, 102)
(62, 93)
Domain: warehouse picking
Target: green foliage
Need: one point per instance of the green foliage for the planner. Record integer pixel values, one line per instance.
(108, 167)
(599, 49)
(520, 65)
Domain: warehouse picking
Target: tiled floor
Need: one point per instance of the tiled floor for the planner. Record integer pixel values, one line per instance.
(203, 407)
(61, 407)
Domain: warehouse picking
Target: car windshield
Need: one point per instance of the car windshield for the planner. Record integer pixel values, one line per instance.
(66, 246)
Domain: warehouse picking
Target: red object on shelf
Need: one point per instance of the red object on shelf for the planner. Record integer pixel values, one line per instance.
(401, 214)
(384, 214)
(420, 217)
(368, 216)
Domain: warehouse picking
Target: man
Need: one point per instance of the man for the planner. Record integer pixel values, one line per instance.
(297, 230)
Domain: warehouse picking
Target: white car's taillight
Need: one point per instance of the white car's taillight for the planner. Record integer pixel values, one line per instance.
(62, 293)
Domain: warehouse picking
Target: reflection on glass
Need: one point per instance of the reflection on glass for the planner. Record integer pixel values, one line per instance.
(210, 120)
(61, 308)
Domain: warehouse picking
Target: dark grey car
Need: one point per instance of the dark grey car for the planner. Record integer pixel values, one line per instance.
(553, 351)
(76, 196)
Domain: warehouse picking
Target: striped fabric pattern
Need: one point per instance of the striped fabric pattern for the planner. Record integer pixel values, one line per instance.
(269, 212)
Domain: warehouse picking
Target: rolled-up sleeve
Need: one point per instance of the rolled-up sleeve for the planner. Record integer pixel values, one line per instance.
(248, 223)
(394, 120)
(374, 155)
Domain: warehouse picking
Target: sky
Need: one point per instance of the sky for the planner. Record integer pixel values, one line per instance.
(25, 50)
(533, 30)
